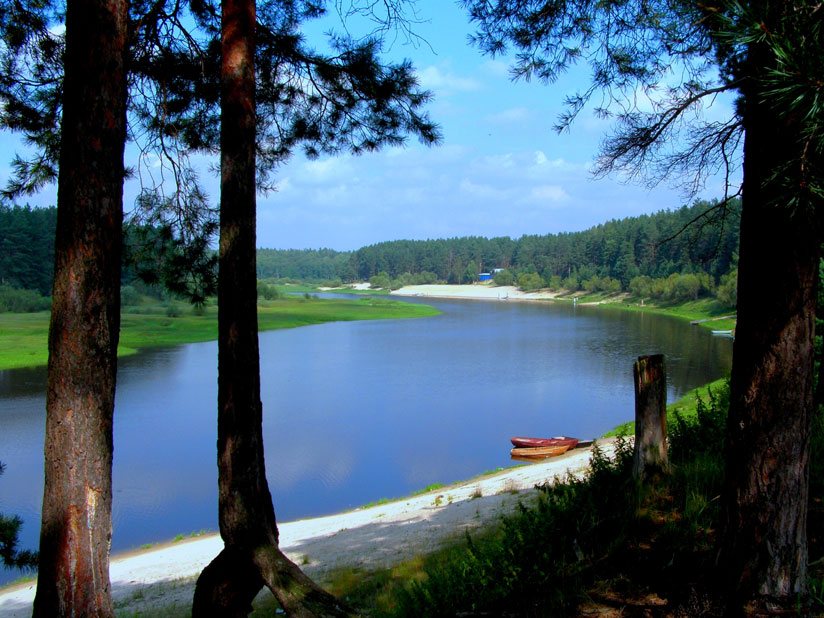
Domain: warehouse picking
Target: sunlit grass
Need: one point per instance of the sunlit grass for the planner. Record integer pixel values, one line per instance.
(24, 336)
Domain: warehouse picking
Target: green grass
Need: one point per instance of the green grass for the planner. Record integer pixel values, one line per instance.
(686, 407)
(428, 488)
(712, 314)
(24, 336)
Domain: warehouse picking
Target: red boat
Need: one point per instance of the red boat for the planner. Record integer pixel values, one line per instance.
(539, 452)
(544, 442)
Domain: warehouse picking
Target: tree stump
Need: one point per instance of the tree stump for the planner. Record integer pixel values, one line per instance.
(650, 416)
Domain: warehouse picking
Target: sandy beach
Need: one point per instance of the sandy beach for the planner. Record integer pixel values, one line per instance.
(478, 291)
(366, 538)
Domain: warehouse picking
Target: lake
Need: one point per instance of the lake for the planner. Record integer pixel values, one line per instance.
(359, 411)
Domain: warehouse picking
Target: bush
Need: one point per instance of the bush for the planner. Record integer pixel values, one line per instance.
(129, 296)
(571, 283)
(727, 291)
(380, 281)
(529, 282)
(504, 277)
(267, 291)
(704, 433)
(14, 300)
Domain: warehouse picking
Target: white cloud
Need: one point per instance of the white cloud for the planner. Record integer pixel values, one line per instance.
(326, 170)
(513, 115)
(551, 193)
(443, 81)
(483, 191)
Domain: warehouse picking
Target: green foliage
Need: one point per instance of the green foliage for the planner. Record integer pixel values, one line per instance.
(727, 290)
(654, 246)
(305, 265)
(504, 277)
(11, 555)
(129, 296)
(162, 255)
(595, 283)
(14, 300)
(267, 291)
(530, 282)
(27, 247)
(381, 281)
(470, 273)
(678, 287)
(703, 432)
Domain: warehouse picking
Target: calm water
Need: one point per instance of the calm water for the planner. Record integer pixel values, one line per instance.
(358, 411)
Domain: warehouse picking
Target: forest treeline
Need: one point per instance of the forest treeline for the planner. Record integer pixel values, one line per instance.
(669, 254)
(692, 239)
(649, 255)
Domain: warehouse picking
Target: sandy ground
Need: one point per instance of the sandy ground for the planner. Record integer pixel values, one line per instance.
(367, 538)
(478, 291)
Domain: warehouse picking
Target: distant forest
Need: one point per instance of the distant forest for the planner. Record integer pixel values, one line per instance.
(27, 247)
(698, 239)
(627, 254)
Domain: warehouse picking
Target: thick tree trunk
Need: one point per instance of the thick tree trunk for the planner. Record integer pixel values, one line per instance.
(73, 577)
(650, 454)
(251, 557)
(763, 543)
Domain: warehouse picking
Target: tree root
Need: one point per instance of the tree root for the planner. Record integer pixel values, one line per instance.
(229, 584)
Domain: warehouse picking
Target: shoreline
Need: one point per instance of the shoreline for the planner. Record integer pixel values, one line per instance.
(366, 538)
(477, 291)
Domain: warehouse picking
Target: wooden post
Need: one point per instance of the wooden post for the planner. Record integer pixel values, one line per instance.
(650, 416)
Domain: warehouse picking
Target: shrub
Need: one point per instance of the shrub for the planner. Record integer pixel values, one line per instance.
(529, 282)
(15, 300)
(129, 296)
(704, 433)
(267, 291)
(504, 277)
(380, 281)
(727, 291)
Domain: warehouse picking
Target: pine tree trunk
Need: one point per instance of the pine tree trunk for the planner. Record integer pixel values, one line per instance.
(75, 535)
(251, 557)
(763, 542)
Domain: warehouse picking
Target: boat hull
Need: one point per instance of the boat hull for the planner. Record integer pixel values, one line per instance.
(520, 442)
(539, 452)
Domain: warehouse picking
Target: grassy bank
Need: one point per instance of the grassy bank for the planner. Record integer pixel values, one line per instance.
(705, 312)
(602, 545)
(24, 336)
(686, 407)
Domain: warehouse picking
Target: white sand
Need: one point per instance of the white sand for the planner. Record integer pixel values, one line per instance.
(478, 291)
(366, 538)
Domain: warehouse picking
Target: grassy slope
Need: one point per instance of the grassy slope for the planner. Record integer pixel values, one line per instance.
(23, 337)
(708, 312)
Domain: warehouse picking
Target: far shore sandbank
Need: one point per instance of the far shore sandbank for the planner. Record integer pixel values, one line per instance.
(476, 291)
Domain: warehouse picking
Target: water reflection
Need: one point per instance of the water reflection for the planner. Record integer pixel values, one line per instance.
(357, 411)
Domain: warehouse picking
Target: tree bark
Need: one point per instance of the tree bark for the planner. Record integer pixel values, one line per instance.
(251, 557)
(763, 544)
(75, 535)
(650, 455)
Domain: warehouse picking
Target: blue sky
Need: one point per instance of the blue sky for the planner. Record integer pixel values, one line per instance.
(500, 171)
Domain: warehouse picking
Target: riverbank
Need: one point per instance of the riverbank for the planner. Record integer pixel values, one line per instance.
(479, 291)
(24, 336)
(160, 581)
(706, 313)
